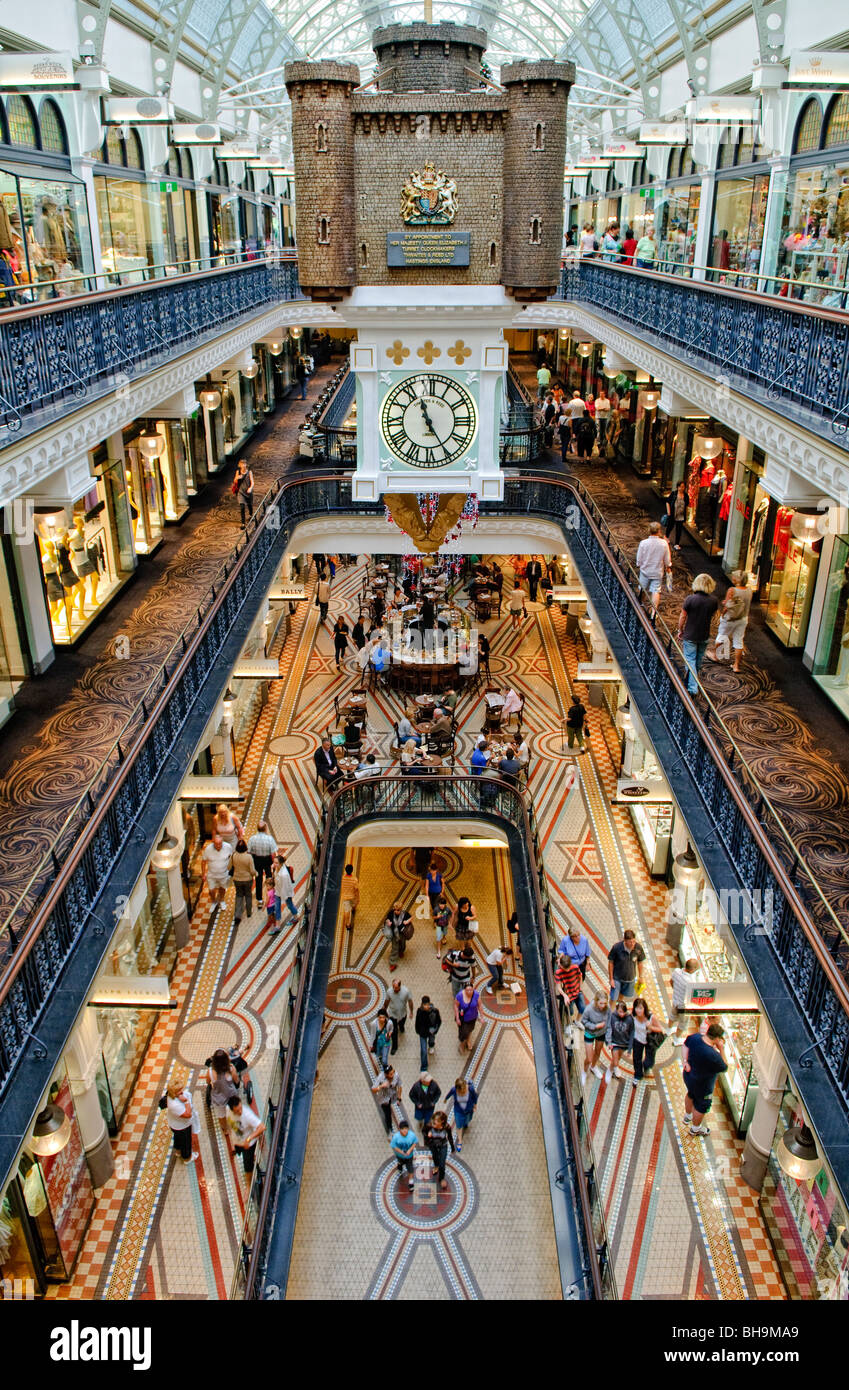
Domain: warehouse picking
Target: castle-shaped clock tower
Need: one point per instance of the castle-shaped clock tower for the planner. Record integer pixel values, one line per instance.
(427, 203)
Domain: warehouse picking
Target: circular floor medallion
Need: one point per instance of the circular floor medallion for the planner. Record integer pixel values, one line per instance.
(200, 1039)
(425, 1206)
(503, 1004)
(351, 996)
(292, 746)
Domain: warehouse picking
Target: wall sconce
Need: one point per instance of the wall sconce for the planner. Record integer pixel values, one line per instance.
(805, 527)
(584, 349)
(228, 703)
(275, 349)
(52, 1131)
(295, 332)
(209, 398)
(707, 446)
(651, 399)
(167, 853)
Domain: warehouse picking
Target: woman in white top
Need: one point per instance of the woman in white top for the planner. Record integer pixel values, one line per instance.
(182, 1119)
(587, 244)
(227, 825)
(408, 753)
(641, 1048)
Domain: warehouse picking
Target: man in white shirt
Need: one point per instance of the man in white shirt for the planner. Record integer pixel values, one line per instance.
(495, 963)
(679, 980)
(263, 848)
(246, 1129)
(216, 867)
(654, 560)
(576, 408)
(523, 752)
(284, 890)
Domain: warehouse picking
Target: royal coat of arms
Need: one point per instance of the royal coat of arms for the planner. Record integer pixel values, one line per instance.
(429, 198)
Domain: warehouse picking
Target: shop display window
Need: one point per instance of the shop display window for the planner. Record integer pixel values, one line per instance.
(791, 583)
(653, 824)
(814, 252)
(709, 497)
(124, 220)
(44, 240)
(677, 224)
(807, 1223)
(174, 468)
(748, 505)
(831, 662)
(179, 228)
(738, 227)
(13, 659)
(145, 497)
(81, 562)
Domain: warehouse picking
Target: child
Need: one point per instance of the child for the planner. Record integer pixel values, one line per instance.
(272, 906)
(441, 918)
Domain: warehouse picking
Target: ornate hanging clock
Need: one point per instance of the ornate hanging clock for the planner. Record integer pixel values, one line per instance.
(428, 420)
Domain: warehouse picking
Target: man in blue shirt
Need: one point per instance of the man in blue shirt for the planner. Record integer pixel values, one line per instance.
(480, 758)
(704, 1059)
(403, 1143)
(577, 948)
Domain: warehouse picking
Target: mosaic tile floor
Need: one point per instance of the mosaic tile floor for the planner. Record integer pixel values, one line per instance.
(681, 1223)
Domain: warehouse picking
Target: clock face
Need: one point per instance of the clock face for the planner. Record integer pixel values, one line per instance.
(428, 420)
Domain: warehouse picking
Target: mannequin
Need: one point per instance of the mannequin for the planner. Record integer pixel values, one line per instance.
(68, 576)
(134, 511)
(81, 561)
(57, 596)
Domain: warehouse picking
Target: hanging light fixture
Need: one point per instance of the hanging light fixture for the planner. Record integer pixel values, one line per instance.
(295, 331)
(651, 399)
(251, 370)
(151, 444)
(707, 446)
(167, 853)
(584, 349)
(228, 703)
(52, 1131)
(209, 398)
(564, 334)
(275, 349)
(805, 527)
(797, 1153)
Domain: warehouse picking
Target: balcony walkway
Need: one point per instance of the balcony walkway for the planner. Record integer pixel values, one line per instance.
(43, 777)
(790, 733)
(681, 1223)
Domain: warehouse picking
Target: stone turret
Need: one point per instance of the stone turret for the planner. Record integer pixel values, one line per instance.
(534, 156)
(428, 57)
(323, 144)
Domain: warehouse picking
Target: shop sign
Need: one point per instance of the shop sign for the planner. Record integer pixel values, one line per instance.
(592, 161)
(237, 149)
(702, 996)
(138, 111)
(725, 110)
(68, 1186)
(663, 133)
(36, 70)
(626, 149)
(187, 133)
(819, 68)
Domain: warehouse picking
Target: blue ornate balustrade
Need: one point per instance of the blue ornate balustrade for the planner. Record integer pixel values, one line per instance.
(56, 355)
(788, 356)
(272, 1208)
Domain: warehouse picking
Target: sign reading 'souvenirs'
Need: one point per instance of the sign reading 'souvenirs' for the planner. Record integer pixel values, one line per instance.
(428, 246)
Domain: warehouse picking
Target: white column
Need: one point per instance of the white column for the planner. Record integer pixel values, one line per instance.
(39, 631)
(83, 1057)
(773, 219)
(701, 251)
(771, 1072)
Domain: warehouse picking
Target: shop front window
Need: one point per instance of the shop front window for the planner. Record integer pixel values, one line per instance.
(145, 496)
(749, 502)
(831, 663)
(738, 227)
(44, 242)
(814, 254)
(709, 497)
(792, 578)
(179, 225)
(677, 222)
(123, 215)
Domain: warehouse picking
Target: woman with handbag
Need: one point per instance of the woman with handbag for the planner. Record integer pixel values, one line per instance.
(466, 1007)
(437, 1137)
(648, 1036)
(222, 1082)
(243, 488)
(733, 620)
(243, 870)
(462, 918)
(465, 1099)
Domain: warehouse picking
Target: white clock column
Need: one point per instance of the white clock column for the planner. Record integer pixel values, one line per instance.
(366, 485)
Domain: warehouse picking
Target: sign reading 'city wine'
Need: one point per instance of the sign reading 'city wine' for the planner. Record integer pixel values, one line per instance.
(427, 247)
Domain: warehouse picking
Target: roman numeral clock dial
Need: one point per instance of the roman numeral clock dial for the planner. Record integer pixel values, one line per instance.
(428, 420)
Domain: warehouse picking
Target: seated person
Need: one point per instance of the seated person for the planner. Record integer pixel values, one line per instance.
(483, 647)
(441, 722)
(408, 753)
(523, 752)
(509, 765)
(449, 700)
(406, 731)
(480, 758)
(353, 731)
(369, 768)
(512, 704)
(381, 655)
(325, 763)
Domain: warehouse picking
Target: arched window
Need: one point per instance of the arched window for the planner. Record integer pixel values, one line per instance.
(135, 158)
(492, 252)
(837, 121)
(687, 164)
(20, 115)
(321, 137)
(186, 161)
(673, 168)
(808, 127)
(363, 254)
(53, 137)
(172, 168)
(323, 229)
(113, 147)
(539, 136)
(535, 232)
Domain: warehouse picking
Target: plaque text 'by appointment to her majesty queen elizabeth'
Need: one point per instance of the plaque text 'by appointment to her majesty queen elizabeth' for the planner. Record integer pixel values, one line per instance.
(427, 247)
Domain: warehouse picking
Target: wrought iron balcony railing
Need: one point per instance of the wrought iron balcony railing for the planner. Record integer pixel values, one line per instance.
(56, 355)
(271, 1212)
(787, 355)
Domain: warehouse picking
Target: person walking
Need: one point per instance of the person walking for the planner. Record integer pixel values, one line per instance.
(403, 1144)
(577, 948)
(244, 877)
(680, 978)
(611, 246)
(564, 434)
(703, 1061)
(512, 928)
(594, 1023)
(438, 1137)
(516, 604)
(215, 861)
(459, 966)
(432, 885)
(387, 1091)
(654, 560)
(427, 1025)
(247, 1130)
(399, 1005)
(322, 596)
(625, 967)
(302, 374)
(462, 918)
(648, 1035)
(466, 1008)
(533, 574)
(629, 246)
(567, 983)
(424, 1095)
(223, 1081)
(381, 1029)
(495, 963)
(441, 922)
(602, 415)
(465, 1099)
(263, 848)
(543, 381)
(243, 487)
(341, 633)
(619, 1037)
(694, 623)
(358, 633)
(733, 620)
(575, 718)
(676, 513)
(585, 437)
(397, 929)
(645, 252)
(180, 1112)
(349, 895)
(284, 892)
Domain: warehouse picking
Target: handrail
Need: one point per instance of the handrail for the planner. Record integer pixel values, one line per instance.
(725, 280)
(331, 801)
